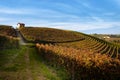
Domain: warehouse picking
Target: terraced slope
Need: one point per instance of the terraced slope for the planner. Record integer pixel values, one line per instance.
(49, 35)
(71, 39)
(96, 45)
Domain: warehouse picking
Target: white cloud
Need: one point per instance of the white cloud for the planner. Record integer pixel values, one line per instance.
(117, 2)
(98, 23)
(85, 3)
(52, 18)
(109, 14)
(4, 19)
(84, 26)
(41, 12)
(73, 26)
(11, 11)
(66, 7)
(98, 19)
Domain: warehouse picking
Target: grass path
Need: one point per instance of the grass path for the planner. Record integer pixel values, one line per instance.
(26, 64)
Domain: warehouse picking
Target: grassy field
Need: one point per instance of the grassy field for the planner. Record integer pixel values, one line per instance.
(25, 64)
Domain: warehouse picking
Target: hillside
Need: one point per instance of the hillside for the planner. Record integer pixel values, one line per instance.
(113, 38)
(58, 55)
(7, 30)
(8, 37)
(21, 61)
(49, 35)
(70, 39)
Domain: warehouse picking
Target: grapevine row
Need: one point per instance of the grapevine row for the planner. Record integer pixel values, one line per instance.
(81, 64)
(84, 41)
(8, 37)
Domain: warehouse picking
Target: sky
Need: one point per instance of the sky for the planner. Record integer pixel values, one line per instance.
(88, 16)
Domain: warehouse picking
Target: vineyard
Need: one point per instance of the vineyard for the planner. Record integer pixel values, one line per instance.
(49, 35)
(71, 39)
(84, 57)
(21, 62)
(81, 64)
(96, 45)
(59, 40)
(7, 30)
(8, 37)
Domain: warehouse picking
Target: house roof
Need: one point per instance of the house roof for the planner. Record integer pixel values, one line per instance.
(20, 23)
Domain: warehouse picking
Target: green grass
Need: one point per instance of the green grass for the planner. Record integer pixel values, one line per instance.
(24, 63)
(12, 65)
(7, 56)
(40, 67)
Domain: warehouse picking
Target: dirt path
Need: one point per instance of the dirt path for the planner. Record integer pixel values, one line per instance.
(27, 58)
(25, 64)
(27, 61)
(22, 42)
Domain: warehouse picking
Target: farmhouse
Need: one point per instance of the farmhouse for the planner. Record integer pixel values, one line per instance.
(20, 25)
(106, 37)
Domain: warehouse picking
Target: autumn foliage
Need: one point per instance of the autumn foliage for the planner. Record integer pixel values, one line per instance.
(81, 64)
(7, 30)
(8, 37)
(49, 34)
(70, 39)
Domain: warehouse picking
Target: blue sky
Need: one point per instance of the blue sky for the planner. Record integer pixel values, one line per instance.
(88, 16)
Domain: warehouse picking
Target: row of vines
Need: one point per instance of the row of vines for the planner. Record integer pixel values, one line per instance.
(81, 64)
(88, 58)
(49, 35)
(8, 37)
(7, 30)
(96, 45)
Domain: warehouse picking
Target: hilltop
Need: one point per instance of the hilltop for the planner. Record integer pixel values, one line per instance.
(49, 34)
